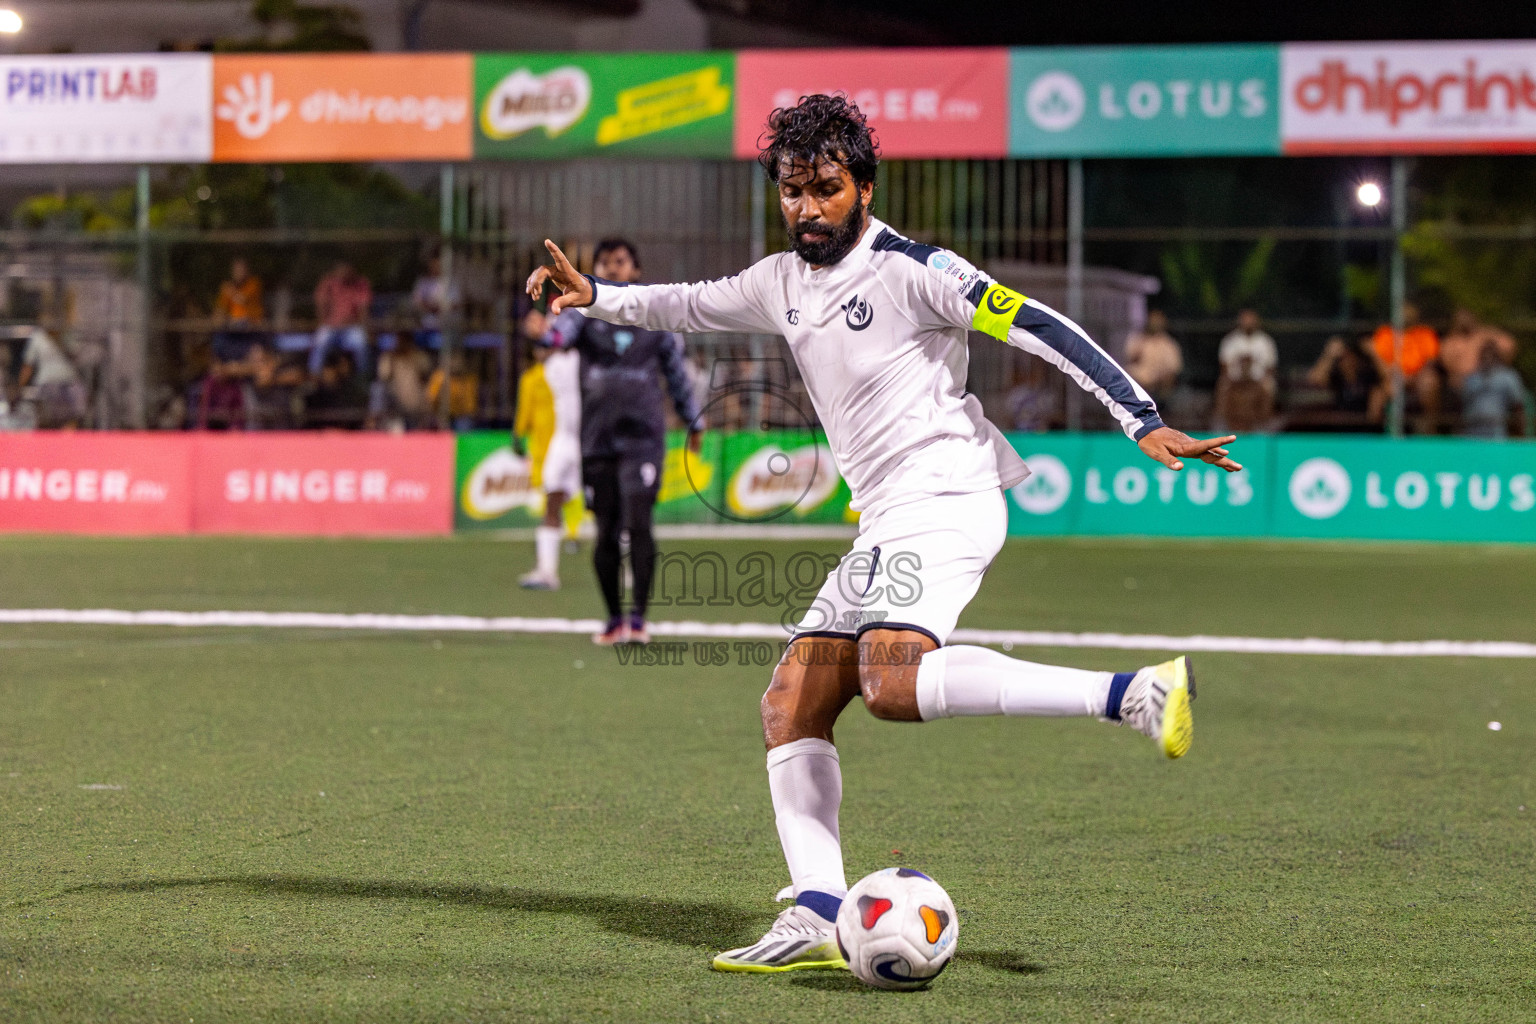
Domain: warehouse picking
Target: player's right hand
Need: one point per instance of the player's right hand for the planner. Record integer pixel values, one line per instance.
(575, 289)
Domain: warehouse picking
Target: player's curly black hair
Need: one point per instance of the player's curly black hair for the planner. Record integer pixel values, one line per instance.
(820, 127)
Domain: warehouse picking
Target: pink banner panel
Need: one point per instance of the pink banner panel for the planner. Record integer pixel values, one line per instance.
(327, 484)
(72, 482)
(921, 102)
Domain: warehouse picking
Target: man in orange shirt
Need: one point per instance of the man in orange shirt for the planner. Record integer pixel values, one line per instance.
(1421, 367)
(239, 302)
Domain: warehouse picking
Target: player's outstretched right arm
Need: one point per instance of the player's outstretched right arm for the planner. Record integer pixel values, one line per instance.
(729, 304)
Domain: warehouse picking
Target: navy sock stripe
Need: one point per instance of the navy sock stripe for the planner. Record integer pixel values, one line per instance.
(823, 903)
(1117, 694)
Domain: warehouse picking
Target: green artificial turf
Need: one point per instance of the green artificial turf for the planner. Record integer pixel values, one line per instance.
(309, 826)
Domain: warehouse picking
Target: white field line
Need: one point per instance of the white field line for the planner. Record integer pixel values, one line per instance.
(766, 631)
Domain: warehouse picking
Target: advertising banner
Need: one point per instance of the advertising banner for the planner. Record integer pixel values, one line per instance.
(95, 483)
(326, 484)
(584, 104)
(332, 106)
(1145, 101)
(782, 477)
(1102, 484)
(921, 102)
(1409, 97)
(493, 485)
(106, 108)
(1429, 489)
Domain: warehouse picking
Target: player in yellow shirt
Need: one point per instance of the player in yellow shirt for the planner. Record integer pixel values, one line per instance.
(549, 417)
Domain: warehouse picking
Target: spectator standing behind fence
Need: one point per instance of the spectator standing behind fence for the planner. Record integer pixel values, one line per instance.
(341, 305)
(54, 383)
(239, 305)
(224, 396)
(1153, 358)
(1349, 371)
(1421, 366)
(1245, 389)
(1491, 394)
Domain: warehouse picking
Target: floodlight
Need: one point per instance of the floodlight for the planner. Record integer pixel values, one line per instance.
(1369, 194)
(10, 21)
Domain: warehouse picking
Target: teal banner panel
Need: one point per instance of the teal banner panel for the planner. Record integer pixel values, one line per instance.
(1144, 101)
(1103, 484)
(1419, 489)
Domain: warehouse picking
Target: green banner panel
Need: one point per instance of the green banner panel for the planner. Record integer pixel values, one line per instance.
(557, 105)
(493, 488)
(1421, 489)
(692, 485)
(780, 477)
(1144, 101)
(1102, 484)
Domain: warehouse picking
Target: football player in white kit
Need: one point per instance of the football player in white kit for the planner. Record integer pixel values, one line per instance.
(878, 325)
(561, 473)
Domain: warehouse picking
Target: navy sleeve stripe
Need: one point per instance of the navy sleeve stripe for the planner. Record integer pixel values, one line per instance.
(1087, 358)
(890, 241)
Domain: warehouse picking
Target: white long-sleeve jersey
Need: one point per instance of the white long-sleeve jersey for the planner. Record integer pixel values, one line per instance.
(880, 339)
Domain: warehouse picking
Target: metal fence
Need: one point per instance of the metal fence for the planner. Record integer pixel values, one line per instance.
(130, 306)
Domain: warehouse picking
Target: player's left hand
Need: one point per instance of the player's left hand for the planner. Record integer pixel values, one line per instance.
(1171, 447)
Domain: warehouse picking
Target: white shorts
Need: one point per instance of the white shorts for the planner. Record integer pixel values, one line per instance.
(562, 465)
(913, 566)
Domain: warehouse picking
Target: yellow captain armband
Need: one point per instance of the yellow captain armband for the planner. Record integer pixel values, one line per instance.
(995, 311)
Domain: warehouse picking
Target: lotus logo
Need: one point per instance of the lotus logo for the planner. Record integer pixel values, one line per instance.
(1055, 101)
(1047, 488)
(858, 313)
(522, 101)
(1319, 488)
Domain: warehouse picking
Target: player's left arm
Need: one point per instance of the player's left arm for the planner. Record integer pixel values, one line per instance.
(676, 376)
(976, 302)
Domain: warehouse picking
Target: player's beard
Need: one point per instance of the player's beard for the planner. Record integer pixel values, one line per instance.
(844, 236)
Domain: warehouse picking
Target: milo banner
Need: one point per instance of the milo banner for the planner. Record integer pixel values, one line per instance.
(551, 105)
(495, 488)
(782, 477)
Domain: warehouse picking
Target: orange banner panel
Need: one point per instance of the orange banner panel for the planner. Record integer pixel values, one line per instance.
(299, 107)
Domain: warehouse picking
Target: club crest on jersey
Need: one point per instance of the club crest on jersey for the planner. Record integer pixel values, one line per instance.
(858, 313)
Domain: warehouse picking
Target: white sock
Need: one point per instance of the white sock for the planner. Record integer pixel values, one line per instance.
(807, 787)
(546, 541)
(956, 681)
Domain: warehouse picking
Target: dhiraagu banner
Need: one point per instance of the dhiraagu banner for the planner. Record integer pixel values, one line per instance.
(583, 104)
(1103, 484)
(1421, 489)
(1144, 101)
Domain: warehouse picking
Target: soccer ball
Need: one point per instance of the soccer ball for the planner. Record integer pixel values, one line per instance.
(897, 929)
